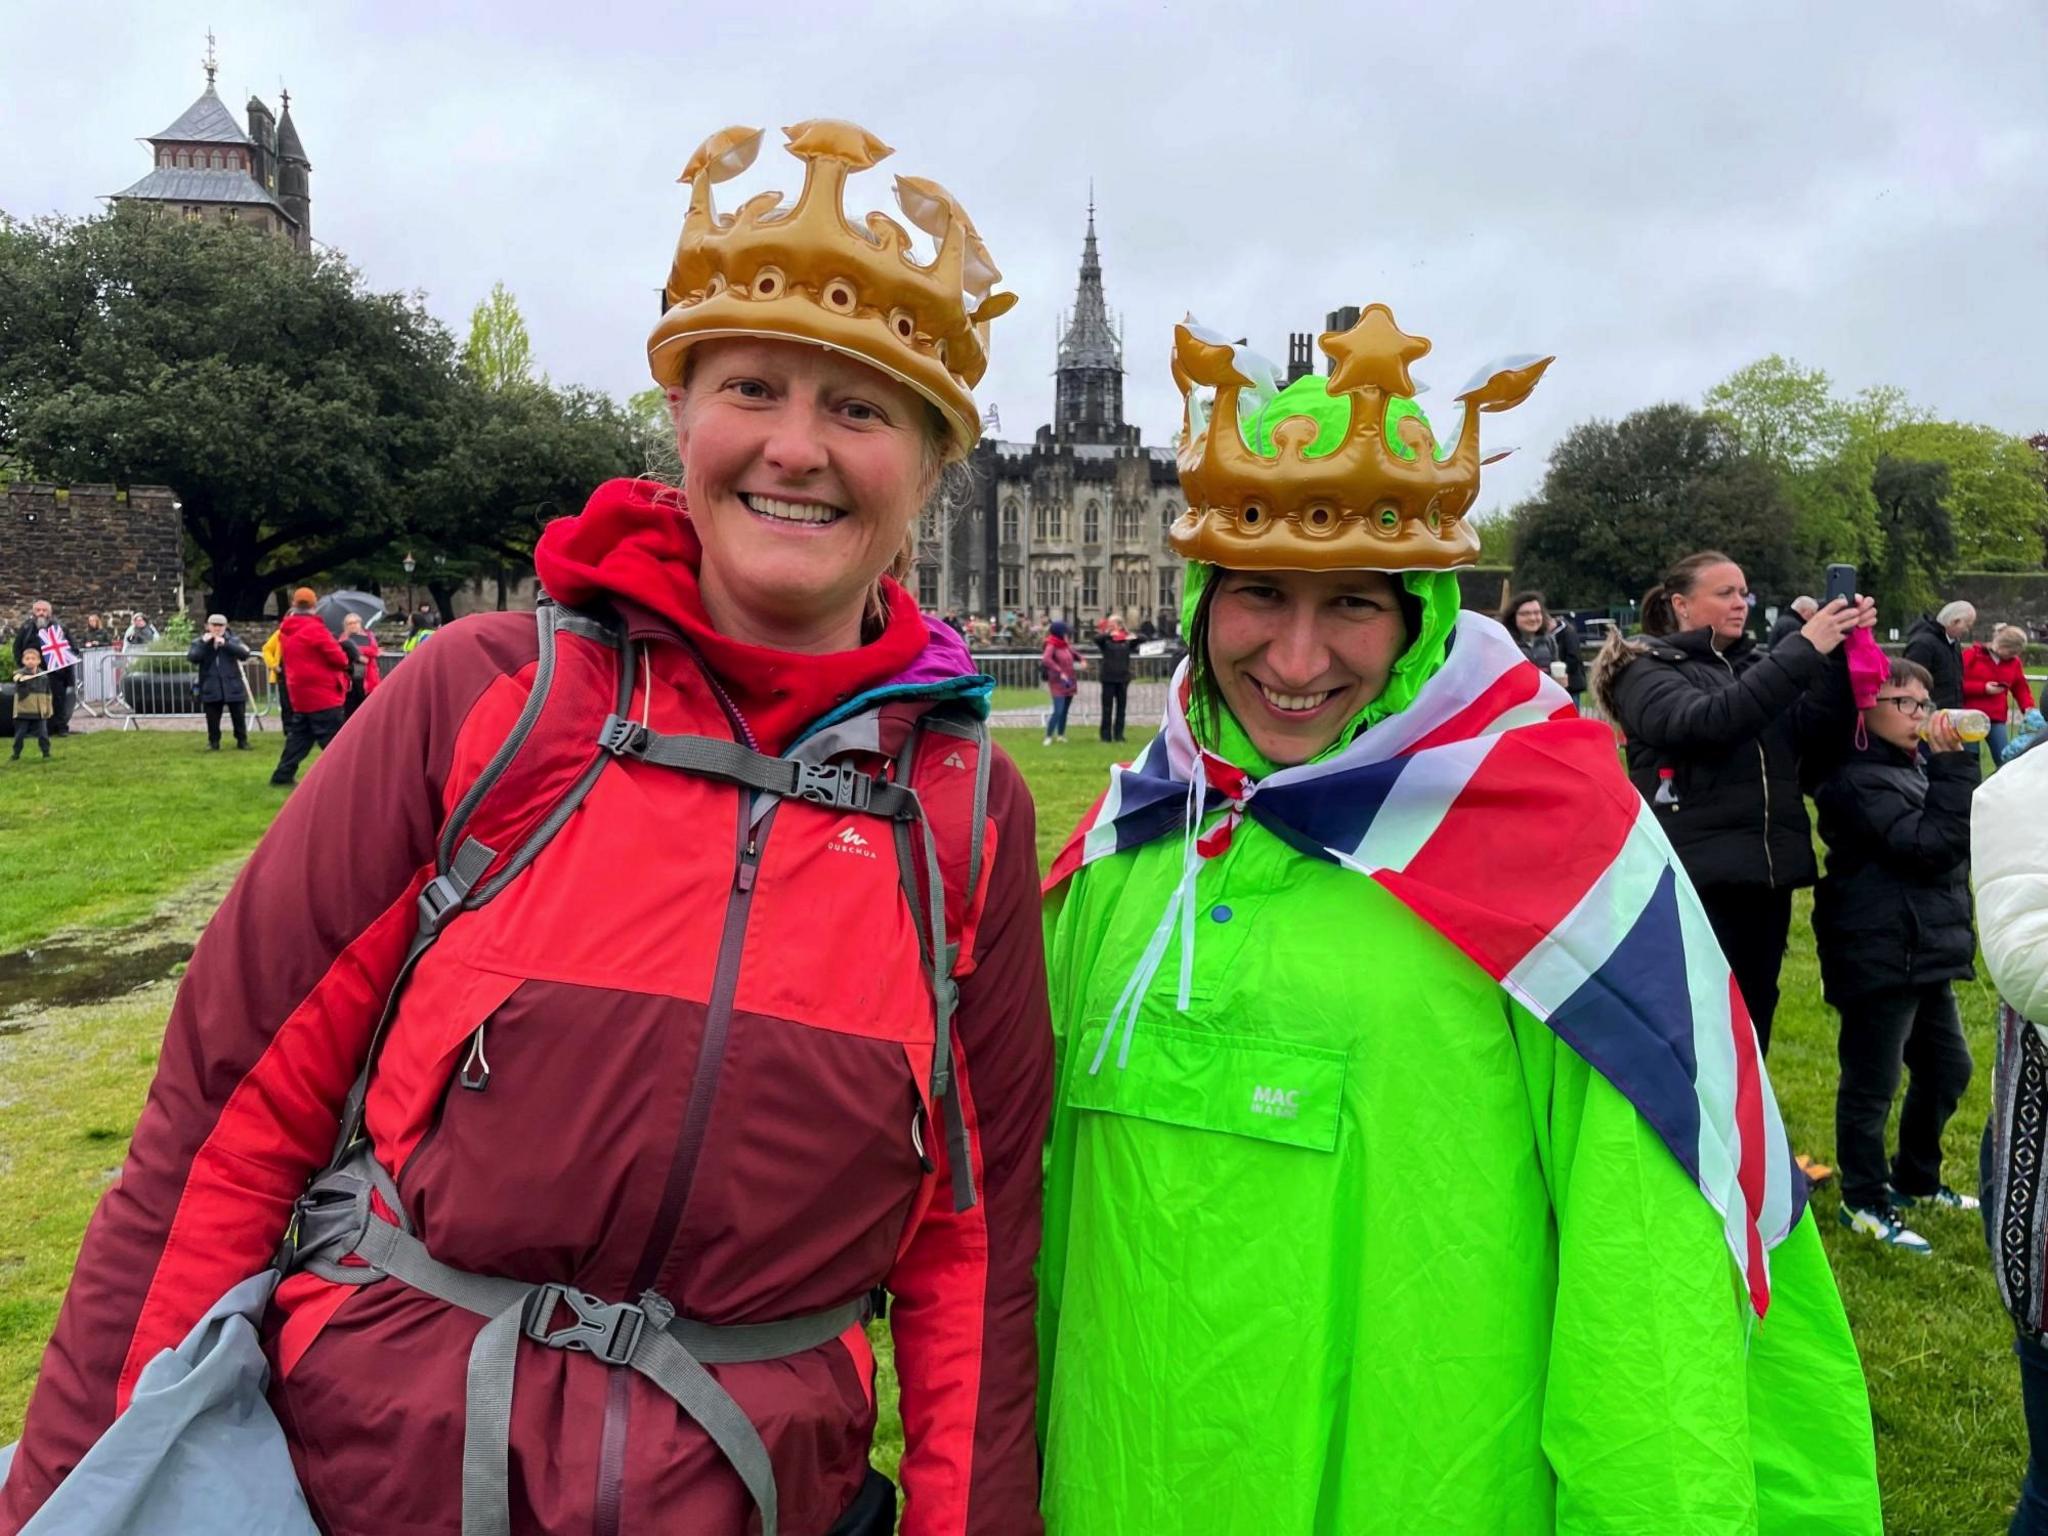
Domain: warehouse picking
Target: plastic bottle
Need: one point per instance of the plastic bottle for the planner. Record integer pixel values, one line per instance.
(1970, 724)
(1667, 788)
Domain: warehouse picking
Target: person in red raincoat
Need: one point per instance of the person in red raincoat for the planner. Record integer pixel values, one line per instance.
(361, 645)
(678, 1070)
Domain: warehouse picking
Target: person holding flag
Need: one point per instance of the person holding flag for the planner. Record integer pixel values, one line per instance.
(45, 632)
(1413, 1164)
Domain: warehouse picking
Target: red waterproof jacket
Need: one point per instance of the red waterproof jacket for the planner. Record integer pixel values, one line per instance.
(315, 665)
(613, 1148)
(1981, 665)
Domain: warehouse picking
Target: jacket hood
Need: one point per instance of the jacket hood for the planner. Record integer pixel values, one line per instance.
(1926, 625)
(633, 549)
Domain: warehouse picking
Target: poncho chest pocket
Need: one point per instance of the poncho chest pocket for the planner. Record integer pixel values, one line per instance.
(1270, 1090)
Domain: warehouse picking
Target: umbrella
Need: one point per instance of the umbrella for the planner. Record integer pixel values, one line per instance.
(336, 606)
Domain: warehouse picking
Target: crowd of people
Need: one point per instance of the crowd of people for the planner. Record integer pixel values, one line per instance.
(1364, 1126)
(337, 676)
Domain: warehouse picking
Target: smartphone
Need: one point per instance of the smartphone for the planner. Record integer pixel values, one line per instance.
(1841, 583)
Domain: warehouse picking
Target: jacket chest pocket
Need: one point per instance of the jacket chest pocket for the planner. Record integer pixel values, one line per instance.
(1269, 1090)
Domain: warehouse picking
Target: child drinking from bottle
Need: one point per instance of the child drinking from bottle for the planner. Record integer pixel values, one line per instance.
(1892, 919)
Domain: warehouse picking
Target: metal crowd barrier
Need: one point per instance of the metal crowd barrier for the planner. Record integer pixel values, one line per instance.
(1017, 672)
(135, 686)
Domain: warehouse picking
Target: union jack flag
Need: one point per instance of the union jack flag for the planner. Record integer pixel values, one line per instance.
(56, 648)
(1502, 819)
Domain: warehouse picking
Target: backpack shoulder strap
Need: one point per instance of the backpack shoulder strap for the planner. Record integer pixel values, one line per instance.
(944, 762)
(527, 791)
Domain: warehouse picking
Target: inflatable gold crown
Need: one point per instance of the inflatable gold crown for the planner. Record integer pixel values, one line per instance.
(803, 272)
(1363, 506)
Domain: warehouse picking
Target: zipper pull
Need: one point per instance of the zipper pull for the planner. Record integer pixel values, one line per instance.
(476, 1070)
(924, 1159)
(750, 864)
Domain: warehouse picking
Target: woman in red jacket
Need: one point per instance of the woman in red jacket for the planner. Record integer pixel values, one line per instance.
(1995, 679)
(684, 1084)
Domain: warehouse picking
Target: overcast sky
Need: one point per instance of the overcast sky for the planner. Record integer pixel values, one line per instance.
(1657, 193)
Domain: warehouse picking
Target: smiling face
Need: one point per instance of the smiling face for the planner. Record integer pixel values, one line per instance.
(1719, 601)
(1296, 654)
(804, 469)
(1529, 618)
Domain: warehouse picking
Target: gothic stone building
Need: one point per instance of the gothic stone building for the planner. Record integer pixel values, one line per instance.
(1074, 522)
(208, 167)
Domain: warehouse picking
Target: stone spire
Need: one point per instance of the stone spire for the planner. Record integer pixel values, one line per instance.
(1089, 390)
(1090, 342)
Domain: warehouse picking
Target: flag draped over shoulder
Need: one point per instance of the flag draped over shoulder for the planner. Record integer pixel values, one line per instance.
(1504, 821)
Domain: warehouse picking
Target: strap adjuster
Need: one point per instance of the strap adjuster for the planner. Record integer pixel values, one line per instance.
(438, 897)
(846, 789)
(606, 1329)
(621, 737)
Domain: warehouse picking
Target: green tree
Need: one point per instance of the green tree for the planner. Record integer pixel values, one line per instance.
(499, 352)
(1995, 496)
(1781, 413)
(1622, 500)
(1919, 539)
(518, 460)
(290, 408)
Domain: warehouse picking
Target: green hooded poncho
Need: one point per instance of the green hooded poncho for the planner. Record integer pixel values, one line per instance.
(1466, 1289)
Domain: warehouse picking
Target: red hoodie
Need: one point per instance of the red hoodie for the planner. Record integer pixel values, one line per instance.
(315, 665)
(707, 1041)
(634, 546)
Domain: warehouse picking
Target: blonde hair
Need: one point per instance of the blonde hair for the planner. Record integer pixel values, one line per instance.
(2009, 635)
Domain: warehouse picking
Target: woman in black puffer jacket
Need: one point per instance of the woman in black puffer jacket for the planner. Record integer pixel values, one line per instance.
(1723, 737)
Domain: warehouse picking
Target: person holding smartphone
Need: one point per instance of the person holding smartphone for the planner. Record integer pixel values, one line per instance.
(1723, 736)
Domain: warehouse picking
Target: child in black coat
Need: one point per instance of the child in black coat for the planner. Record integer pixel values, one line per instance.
(31, 703)
(1892, 919)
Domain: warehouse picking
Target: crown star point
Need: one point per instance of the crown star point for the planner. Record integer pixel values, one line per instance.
(1373, 354)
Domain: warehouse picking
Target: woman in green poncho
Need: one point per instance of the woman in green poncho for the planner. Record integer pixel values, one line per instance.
(1413, 1168)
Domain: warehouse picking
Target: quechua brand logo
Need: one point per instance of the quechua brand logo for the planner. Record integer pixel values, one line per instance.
(847, 840)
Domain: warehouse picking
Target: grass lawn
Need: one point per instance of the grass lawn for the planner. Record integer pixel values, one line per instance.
(145, 829)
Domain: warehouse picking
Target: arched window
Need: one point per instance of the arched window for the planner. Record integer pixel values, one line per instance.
(182, 160)
(1169, 513)
(1009, 522)
(1091, 524)
(1127, 515)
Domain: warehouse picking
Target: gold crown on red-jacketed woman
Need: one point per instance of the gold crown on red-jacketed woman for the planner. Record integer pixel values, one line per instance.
(1363, 506)
(804, 272)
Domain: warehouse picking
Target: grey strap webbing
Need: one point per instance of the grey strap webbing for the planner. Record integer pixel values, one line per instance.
(844, 788)
(928, 903)
(461, 860)
(645, 1336)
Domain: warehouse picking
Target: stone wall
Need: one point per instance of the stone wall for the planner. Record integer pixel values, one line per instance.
(2002, 597)
(91, 549)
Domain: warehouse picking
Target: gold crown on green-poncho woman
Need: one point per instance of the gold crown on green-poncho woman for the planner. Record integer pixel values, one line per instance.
(1380, 497)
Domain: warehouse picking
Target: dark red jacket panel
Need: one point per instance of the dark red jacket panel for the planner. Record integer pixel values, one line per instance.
(590, 979)
(315, 665)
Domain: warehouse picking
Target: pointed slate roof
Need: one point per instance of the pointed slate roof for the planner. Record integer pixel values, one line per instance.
(1090, 342)
(206, 121)
(288, 145)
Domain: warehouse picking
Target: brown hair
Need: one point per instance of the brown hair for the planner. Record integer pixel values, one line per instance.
(1903, 672)
(1678, 581)
(1515, 604)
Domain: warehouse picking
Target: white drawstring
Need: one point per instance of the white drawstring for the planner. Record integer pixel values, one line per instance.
(1179, 913)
